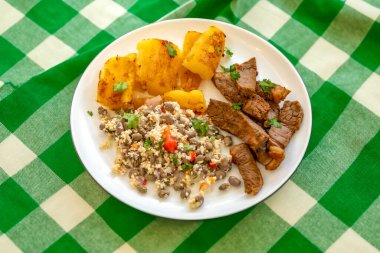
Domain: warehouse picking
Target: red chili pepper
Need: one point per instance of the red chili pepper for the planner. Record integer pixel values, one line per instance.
(192, 155)
(144, 181)
(212, 165)
(170, 144)
(163, 109)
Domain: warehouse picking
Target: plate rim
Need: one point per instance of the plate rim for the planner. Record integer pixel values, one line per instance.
(179, 217)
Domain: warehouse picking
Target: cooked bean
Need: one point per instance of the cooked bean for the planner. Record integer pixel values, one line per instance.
(185, 193)
(220, 174)
(199, 158)
(178, 186)
(209, 146)
(227, 141)
(102, 126)
(191, 133)
(219, 137)
(136, 162)
(119, 128)
(102, 111)
(234, 181)
(169, 107)
(136, 137)
(224, 186)
(141, 130)
(163, 193)
(141, 188)
(197, 201)
(167, 118)
(181, 129)
(184, 120)
(150, 177)
(208, 157)
(134, 172)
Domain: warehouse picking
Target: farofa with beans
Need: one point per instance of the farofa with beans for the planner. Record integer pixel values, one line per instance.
(169, 146)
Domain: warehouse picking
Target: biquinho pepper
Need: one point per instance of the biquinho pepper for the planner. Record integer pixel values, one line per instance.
(212, 165)
(170, 144)
(192, 155)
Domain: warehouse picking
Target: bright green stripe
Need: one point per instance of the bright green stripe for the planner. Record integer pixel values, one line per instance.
(152, 10)
(318, 14)
(65, 244)
(358, 187)
(102, 38)
(168, 234)
(123, 219)
(293, 241)
(257, 232)
(290, 57)
(210, 232)
(208, 9)
(229, 15)
(30, 96)
(327, 105)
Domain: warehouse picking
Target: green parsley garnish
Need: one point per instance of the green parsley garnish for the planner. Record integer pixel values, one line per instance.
(217, 48)
(147, 143)
(225, 69)
(175, 159)
(160, 143)
(236, 106)
(188, 147)
(90, 113)
(120, 87)
(266, 85)
(187, 166)
(200, 126)
(171, 50)
(132, 120)
(233, 73)
(229, 52)
(274, 122)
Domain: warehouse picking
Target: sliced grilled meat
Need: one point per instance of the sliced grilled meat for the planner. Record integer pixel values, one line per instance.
(246, 83)
(257, 107)
(281, 135)
(243, 158)
(227, 87)
(277, 94)
(291, 114)
(237, 123)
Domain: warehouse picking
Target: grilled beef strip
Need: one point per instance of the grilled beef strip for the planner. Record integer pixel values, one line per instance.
(246, 83)
(227, 87)
(243, 158)
(291, 114)
(276, 94)
(237, 123)
(256, 107)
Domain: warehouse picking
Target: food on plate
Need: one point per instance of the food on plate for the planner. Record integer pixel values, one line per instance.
(189, 80)
(204, 57)
(169, 146)
(246, 83)
(193, 100)
(242, 156)
(116, 81)
(158, 62)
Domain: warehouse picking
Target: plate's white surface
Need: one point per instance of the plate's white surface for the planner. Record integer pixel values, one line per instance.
(87, 137)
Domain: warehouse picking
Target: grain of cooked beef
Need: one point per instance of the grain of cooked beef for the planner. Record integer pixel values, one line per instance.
(276, 94)
(291, 114)
(257, 107)
(243, 158)
(271, 155)
(281, 135)
(246, 83)
(227, 87)
(237, 123)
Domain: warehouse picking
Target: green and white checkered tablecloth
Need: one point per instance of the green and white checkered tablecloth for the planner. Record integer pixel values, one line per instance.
(48, 202)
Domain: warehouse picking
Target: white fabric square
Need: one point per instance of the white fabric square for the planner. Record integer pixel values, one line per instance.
(50, 52)
(67, 208)
(364, 8)
(8, 16)
(324, 58)
(369, 94)
(265, 18)
(7, 245)
(102, 12)
(125, 248)
(291, 202)
(351, 242)
(14, 155)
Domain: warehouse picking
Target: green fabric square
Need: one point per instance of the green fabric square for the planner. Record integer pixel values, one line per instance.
(62, 159)
(368, 52)
(25, 35)
(94, 235)
(348, 29)
(26, 66)
(317, 14)
(118, 221)
(51, 14)
(288, 55)
(128, 3)
(288, 6)
(89, 190)
(262, 219)
(321, 227)
(375, 3)
(312, 81)
(65, 244)
(102, 38)
(293, 241)
(22, 5)
(36, 232)
(368, 224)
(38, 180)
(78, 4)
(324, 119)
(244, 25)
(3, 176)
(350, 76)
(4, 132)
(157, 9)
(240, 8)
(15, 204)
(124, 24)
(5, 90)
(227, 15)
(295, 38)
(69, 33)
(10, 55)
(358, 187)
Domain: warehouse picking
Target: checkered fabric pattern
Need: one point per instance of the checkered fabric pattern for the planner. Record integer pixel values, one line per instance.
(48, 202)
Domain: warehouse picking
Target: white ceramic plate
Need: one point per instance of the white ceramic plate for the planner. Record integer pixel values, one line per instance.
(271, 64)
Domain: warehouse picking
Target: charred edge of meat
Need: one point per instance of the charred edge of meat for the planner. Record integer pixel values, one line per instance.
(243, 158)
(291, 114)
(277, 94)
